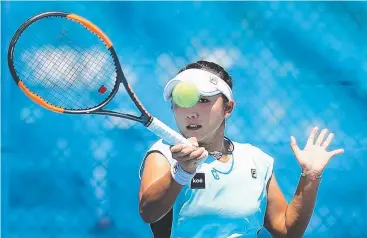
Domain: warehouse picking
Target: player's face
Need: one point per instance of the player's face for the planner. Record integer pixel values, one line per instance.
(203, 120)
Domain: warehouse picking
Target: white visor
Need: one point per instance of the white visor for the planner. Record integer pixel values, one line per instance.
(208, 84)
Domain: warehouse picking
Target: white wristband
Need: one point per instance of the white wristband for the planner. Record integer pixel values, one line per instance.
(179, 175)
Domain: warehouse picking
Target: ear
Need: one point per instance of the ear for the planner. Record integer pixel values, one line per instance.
(228, 108)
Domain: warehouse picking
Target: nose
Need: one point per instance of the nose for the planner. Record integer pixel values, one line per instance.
(192, 115)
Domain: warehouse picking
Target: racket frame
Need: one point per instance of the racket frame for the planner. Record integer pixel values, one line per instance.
(145, 118)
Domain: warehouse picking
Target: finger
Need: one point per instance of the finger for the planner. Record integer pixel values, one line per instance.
(203, 155)
(193, 141)
(294, 146)
(183, 153)
(311, 138)
(178, 148)
(321, 137)
(196, 153)
(188, 150)
(328, 141)
(201, 158)
(336, 152)
(192, 156)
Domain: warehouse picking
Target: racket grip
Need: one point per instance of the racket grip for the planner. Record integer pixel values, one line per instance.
(167, 134)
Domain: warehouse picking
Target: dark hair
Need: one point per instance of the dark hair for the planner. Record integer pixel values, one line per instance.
(212, 68)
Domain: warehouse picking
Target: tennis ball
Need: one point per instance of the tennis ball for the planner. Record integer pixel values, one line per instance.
(185, 94)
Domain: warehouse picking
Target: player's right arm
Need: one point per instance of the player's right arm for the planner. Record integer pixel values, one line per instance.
(158, 189)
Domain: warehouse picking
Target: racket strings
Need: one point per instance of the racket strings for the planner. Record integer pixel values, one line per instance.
(41, 74)
(79, 50)
(55, 87)
(74, 68)
(67, 66)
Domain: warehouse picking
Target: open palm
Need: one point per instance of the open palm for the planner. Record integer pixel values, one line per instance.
(314, 157)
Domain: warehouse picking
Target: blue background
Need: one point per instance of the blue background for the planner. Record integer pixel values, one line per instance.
(294, 65)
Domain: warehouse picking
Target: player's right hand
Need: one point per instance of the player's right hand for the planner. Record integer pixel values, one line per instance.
(189, 157)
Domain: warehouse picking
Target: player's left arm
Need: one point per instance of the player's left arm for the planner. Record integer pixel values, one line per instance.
(291, 220)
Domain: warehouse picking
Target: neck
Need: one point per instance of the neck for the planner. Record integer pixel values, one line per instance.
(215, 142)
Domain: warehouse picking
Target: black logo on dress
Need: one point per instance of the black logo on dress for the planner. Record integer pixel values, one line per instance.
(198, 181)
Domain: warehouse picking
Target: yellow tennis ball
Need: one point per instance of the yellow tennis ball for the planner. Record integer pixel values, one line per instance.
(185, 94)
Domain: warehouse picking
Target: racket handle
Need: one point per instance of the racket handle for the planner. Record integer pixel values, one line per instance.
(166, 133)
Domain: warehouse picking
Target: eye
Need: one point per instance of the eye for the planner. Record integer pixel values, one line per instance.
(203, 100)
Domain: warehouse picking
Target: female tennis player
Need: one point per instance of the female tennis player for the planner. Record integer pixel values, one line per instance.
(233, 192)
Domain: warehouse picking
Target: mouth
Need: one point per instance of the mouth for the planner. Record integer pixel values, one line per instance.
(193, 127)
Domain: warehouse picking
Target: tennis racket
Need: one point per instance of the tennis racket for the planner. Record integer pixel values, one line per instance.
(66, 64)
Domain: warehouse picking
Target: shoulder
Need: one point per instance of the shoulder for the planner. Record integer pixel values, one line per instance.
(259, 157)
(160, 147)
(253, 150)
(263, 163)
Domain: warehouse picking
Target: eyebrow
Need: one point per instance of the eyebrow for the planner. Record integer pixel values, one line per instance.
(208, 97)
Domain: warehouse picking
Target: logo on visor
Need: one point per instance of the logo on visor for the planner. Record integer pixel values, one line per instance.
(214, 80)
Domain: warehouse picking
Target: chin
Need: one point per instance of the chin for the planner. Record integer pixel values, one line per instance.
(197, 134)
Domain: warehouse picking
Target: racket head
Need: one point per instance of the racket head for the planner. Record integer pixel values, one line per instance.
(71, 67)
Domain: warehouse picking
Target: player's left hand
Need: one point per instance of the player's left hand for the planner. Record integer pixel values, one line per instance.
(314, 157)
